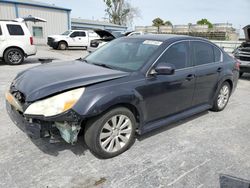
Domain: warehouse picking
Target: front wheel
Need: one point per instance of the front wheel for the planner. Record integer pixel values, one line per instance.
(111, 134)
(62, 46)
(222, 97)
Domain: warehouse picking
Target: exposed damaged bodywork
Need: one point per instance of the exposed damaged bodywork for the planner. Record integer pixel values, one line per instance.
(242, 53)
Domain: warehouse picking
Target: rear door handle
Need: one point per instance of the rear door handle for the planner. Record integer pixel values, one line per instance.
(219, 69)
(190, 77)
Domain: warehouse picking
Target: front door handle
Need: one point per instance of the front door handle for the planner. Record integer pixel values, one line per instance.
(190, 77)
(219, 69)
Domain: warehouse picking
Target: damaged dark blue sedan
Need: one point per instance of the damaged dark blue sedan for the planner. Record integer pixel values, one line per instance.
(129, 86)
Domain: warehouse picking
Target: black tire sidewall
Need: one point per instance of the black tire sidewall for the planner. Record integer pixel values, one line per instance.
(215, 106)
(93, 131)
(6, 60)
(60, 43)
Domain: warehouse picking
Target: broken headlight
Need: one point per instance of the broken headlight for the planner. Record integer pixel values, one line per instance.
(56, 104)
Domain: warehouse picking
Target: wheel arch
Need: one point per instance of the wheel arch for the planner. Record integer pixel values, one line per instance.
(63, 41)
(16, 48)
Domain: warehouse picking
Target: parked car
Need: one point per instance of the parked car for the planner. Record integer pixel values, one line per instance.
(16, 42)
(242, 53)
(130, 86)
(106, 36)
(72, 38)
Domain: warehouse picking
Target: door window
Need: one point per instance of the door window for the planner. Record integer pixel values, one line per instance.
(82, 34)
(177, 55)
(15, 29)
(203, 53)
(74, 34)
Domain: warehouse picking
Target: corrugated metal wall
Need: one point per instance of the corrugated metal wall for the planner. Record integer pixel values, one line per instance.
(57, 20)
(7, 11)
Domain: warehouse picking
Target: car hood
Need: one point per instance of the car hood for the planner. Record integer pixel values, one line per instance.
(104, 33)
(247, 33)
(48, 79)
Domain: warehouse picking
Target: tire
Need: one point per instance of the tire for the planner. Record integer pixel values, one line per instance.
(241, 74)
(101, 137)
(14, 56)
(222, 97)
(62, 46)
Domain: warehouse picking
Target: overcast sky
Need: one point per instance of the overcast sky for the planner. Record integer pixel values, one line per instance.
(236, 12)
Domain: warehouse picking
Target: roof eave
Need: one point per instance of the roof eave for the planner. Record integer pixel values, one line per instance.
(36, 5)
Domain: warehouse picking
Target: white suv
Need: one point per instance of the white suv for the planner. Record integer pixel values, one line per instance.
(16, 42)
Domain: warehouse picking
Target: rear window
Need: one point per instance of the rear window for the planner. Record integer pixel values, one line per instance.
(15, 29)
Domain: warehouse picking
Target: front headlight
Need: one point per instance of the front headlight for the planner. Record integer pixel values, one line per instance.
(56, 104)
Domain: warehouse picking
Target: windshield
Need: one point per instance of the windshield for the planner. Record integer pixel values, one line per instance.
(66, 33)
(124, 54)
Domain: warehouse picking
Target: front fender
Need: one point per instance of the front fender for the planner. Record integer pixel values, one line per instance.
(94, 103)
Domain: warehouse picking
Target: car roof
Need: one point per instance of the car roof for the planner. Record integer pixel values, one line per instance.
(10, 22)
(165, 37)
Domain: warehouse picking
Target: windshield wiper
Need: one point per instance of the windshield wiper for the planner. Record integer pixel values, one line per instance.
(103, 65)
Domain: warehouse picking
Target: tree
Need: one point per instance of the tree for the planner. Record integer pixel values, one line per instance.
(120, 12)
(157, 22)
(168, 23)
(205, 22)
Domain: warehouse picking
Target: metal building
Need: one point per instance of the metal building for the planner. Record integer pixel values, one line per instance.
(58, 18)
(78, 23)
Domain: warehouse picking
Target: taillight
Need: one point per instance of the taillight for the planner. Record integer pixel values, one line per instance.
(237, 64)
(31, 40)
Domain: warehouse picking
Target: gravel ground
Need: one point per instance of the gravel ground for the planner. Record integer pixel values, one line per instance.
(191, 153)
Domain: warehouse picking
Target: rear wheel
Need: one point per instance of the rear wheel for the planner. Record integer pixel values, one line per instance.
(222, 97)
(111, 134)
(13, 56)
(62, 46)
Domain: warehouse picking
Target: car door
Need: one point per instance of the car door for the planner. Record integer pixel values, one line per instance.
(208, 67)
(78, 38)
(166, 95)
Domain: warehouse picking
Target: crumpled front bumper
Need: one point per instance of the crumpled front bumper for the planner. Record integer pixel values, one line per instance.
(34, 129)
(68, 124)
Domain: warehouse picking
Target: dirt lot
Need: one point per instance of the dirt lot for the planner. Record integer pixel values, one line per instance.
(191, 153)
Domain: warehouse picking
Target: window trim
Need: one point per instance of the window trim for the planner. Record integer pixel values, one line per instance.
(185, 40)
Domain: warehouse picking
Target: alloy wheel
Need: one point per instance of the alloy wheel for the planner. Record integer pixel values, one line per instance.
(14, 57)
(223, 96)
(115, 133)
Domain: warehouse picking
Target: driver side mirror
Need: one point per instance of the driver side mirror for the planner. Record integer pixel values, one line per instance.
(164, 69)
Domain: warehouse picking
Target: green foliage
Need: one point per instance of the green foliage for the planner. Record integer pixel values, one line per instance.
(158, 22)
(205, 22)
(168, 23)
(120, 11)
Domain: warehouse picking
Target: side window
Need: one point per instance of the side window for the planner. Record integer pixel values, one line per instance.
(203, 53)
(82, 34)
(15, 29)
(0, 30)
(217, 54)
(177, 55)
(74, 34)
